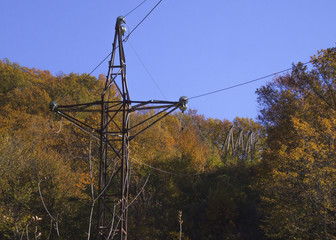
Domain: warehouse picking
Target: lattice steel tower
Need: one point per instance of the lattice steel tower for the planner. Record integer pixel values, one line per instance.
(115, 134)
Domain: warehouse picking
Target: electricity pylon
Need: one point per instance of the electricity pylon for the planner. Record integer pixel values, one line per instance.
(243, 146)
(115, 134)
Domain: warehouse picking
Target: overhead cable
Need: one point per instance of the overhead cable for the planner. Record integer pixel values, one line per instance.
(126, 38)
(146, 69)
(100, 63)
(165, 171)
(240, 84)
(134, 8)
(251, 81)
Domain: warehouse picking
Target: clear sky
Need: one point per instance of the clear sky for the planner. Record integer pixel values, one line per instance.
(189, 47)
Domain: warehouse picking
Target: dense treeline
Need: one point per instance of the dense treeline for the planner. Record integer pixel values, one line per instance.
(280, 187)
(298, 184)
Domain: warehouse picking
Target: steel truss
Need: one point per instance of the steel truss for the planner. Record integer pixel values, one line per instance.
(243, 146)
(115, 134)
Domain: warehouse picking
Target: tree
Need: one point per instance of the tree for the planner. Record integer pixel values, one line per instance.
(47, 166)
(44, 180)
(297, 178)
(38, 190)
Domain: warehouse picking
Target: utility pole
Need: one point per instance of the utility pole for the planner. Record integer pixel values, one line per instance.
(115, 133)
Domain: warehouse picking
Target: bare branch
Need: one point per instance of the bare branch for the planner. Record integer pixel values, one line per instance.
(142, 189)
(45, 207)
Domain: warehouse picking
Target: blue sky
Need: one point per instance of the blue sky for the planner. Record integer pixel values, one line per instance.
(189, 47)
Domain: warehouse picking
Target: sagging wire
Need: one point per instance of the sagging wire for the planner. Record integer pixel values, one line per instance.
(238, 85)
(154, 168)
(254, 80)
(165, 171)
(146, 69)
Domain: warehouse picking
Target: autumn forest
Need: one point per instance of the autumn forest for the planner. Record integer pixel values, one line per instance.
(192, 177)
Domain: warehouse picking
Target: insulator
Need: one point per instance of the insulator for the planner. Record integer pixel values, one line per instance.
(53, 105)
(121, 19)
(123, 30)
(183, 103)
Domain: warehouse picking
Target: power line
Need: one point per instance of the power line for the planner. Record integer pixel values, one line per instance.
(134, 8)
(69, 91)
(129, 34)
(154, 168)
(240, 84)
(126, 38)
(143, 64)
(100, 63)
(254, 80)
(165, 171)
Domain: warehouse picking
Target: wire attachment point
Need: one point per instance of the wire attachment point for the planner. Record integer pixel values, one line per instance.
(183, 103)
(53, 106)
(121, 19)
